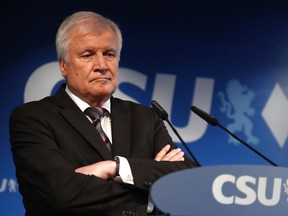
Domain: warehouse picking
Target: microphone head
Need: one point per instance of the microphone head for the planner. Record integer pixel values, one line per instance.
(204, 115)
(159, 110)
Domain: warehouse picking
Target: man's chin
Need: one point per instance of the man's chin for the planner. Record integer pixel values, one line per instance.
(104, 91)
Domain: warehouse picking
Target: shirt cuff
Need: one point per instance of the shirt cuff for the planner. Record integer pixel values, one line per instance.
(125, 172)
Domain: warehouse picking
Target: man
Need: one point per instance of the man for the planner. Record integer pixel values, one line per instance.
(63, 165)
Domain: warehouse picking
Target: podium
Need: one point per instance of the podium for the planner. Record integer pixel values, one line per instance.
(238, 190)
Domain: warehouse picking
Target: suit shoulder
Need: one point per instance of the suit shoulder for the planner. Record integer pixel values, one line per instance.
(33, 106)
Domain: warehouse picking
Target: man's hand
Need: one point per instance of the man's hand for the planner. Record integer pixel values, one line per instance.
(173, 155)
(104, 169)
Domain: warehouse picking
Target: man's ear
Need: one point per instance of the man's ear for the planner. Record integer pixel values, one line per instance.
(63, 67)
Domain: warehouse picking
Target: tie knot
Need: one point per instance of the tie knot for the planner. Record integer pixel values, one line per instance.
(96, 113)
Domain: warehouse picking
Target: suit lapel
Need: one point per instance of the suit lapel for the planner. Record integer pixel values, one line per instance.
(88, 131)
(121, 128)
(77, 119)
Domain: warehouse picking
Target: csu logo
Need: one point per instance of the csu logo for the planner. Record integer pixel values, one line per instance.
(251, 190)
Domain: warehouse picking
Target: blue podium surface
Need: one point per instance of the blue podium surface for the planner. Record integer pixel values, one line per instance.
(223, 190)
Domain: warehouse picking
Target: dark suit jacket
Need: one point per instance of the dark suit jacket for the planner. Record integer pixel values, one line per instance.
(52, 137)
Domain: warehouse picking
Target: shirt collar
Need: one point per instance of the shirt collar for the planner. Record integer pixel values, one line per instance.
(82, 104)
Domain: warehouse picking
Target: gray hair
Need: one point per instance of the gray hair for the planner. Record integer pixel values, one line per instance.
(74, 22)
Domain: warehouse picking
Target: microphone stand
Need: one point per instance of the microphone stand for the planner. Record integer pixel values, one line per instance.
(214, 122)
(248, 146)
(182, 141)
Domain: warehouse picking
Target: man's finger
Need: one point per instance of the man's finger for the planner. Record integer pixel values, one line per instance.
(162, 153)
(178, 157)
(171, 154)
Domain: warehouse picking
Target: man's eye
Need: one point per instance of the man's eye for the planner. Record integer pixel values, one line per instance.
(110, 54)
(87, 55)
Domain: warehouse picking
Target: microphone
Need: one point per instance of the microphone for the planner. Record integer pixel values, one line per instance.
(164, 116)
(204, 115)
(214, 122)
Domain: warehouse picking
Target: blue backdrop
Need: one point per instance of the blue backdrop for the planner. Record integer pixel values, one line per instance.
(228, 58)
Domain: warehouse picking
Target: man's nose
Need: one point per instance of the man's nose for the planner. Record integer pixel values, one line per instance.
(99, 62)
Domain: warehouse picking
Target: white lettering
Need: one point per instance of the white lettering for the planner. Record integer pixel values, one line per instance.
(164, 88)
(241, 184)
(262, 185)
(3, 185)
(132, 77)
(217, 188)
(41, 82)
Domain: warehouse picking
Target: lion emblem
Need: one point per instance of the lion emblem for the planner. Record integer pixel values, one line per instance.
(237, 107)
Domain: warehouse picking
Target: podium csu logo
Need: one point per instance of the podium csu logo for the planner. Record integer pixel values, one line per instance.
(223, 190)
(226, 187)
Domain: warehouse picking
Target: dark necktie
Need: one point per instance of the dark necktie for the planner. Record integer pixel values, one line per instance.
(96, 114)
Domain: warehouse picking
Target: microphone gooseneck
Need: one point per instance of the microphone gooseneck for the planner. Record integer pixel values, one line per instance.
(164, 116)
(214, 122)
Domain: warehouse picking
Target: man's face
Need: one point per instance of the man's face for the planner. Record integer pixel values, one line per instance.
(91, 66)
